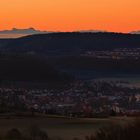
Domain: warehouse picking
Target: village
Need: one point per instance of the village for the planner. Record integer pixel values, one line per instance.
(120, 53)
(81, 99)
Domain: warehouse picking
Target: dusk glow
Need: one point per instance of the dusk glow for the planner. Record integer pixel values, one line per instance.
(64, 15)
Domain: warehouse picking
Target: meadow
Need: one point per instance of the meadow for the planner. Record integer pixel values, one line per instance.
(59, 127)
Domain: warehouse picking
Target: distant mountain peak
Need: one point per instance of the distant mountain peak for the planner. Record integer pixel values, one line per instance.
(27, 31)
(30, 28)
(135, 32)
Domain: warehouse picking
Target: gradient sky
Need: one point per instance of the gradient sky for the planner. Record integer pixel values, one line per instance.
(69, 15)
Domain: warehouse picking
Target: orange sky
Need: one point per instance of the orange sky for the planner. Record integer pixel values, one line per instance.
(69, 15)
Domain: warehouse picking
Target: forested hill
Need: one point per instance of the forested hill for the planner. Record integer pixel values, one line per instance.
(14, 67)
(69, 43)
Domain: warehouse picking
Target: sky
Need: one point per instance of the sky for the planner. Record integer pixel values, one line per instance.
(71, 15)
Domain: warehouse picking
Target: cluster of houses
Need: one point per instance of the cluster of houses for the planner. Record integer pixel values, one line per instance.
(85, 99)
(121, 53)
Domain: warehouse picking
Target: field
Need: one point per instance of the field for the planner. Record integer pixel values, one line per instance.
(57, 127)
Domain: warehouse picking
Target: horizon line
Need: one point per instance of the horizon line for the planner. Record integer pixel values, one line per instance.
(79, 30)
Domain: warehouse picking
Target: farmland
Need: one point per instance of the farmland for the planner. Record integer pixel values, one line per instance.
(58, 127)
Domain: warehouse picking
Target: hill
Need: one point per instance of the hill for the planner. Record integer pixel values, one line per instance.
(59, 44)
(63, 52)
(29, 68)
